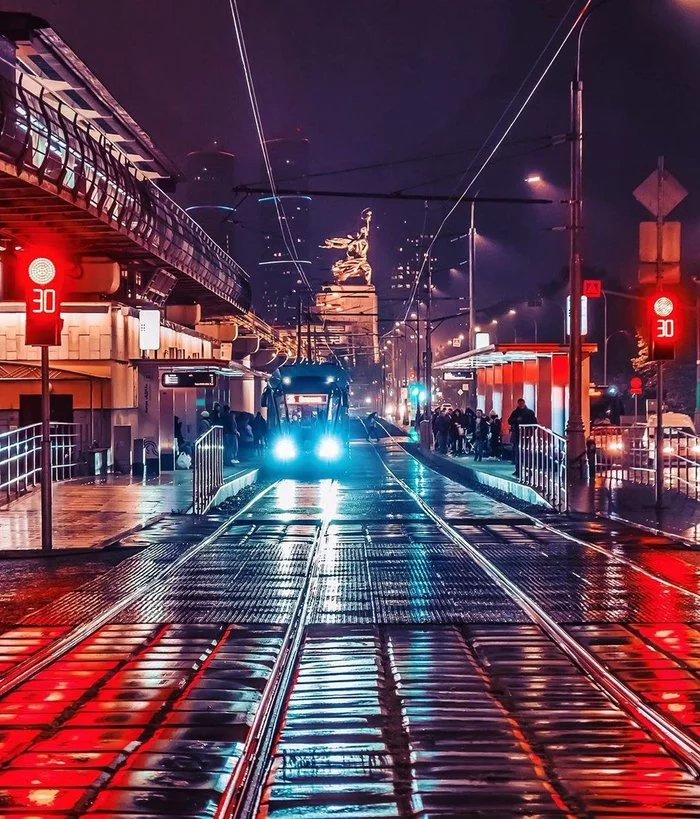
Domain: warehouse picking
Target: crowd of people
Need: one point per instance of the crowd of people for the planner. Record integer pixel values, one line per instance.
(241, 431)
(466, 432)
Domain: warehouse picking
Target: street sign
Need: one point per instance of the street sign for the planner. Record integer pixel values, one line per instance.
(584, 315)
(635, 385)
(43, 278)
(660, 193)
(458, 375)
(592, 288)
(190, 379)
(653, 270)
(664, 317)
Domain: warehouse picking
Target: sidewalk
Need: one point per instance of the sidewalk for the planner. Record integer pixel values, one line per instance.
(91, 512)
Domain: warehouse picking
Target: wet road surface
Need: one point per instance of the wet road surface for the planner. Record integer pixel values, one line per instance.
(421, 687)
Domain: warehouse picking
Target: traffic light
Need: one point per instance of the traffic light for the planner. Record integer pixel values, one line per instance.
(664, 332)
(42, 273)
(417, 392)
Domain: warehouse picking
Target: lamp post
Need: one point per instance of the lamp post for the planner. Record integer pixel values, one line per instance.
(575, 434)
(471, 260)
(605, 352)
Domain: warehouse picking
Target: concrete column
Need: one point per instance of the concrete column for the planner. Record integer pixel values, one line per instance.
(243, 394)
(149, 421)
(167, 412)
(544, 391)
(530, 386)
(560, 382)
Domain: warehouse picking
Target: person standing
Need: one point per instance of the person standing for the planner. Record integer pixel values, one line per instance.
(521, 415)
(204, 422)
(442, 429)
(259, 432)
(481, 433)
(230, 429)
(495, 434)
(216, 414)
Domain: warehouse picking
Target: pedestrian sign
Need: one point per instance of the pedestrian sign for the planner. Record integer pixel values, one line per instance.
(592, 288)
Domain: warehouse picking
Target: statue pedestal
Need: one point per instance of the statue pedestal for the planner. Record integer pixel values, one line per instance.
(350, 311)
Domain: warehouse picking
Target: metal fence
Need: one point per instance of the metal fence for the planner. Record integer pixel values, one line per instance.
(208, 469)
(20, 457)
(542, 463)
(629, 453)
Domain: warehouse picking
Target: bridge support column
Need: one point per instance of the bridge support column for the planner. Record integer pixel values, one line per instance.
(243, 394)
(149, 420)
(166, 436)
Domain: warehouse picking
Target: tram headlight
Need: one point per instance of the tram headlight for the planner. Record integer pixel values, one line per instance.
(329, 448)
(285, 449)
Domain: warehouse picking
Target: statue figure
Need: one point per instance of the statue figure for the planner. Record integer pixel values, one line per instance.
(355, 263)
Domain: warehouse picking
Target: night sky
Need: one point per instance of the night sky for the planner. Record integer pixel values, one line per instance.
(373, 81)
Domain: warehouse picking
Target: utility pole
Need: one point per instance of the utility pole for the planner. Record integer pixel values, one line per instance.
(429, 345)
(659, 443)
(299, 329)
(697, 354)
(471, 258)
(575, 434)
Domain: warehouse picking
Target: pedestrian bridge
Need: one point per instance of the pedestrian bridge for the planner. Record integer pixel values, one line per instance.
(78, 173)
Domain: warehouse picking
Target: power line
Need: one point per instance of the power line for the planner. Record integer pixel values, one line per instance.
(497, 200)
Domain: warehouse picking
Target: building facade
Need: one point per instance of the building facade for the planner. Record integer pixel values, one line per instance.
(210, 196)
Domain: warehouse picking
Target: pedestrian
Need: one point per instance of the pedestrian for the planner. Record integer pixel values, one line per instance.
(216, 414)
(230, 429)
(204, 423)
(371, 427)
(521, 415)
(435, 414)
(495, 434)
(481, 433)
(458, 417)
(442, 428)
(259, 425)
(177, 434)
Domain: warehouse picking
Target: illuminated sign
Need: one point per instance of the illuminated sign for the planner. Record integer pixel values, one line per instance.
(481, 340)
(584, 315)
(300, 399)
(458, 375)
(149, 329)
(42, 279)
(188, 379)
(664, 326)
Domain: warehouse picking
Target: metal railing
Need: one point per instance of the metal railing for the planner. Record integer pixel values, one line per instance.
(542, 463)
(20, 457)
(629, 454)
(208, 469)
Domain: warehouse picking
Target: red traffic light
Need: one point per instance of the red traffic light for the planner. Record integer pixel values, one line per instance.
(42, 273)
(665, 314)
(635, 385)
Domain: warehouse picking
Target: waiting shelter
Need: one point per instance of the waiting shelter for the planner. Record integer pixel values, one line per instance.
(497, 375)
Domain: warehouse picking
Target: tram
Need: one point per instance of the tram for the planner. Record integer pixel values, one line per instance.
(307, 415)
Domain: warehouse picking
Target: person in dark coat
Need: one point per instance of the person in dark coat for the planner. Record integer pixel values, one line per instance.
(230, 429)
(495, 434)
(521, 415)
(481, 434)
(216, 414)
(442, 429)
(259, 425)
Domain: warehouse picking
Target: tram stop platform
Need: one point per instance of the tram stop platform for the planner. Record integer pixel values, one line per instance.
(619, 500)
(93, 512)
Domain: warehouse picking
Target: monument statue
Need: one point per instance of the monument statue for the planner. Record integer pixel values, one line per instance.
(355, 264)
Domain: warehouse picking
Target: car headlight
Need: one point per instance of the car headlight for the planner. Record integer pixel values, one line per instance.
(285, 449)
(329, 448)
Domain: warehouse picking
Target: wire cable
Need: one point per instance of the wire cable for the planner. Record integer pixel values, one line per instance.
(540, 79)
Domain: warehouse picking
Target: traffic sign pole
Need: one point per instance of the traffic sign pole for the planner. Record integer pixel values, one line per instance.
(659, 482)
(46, 483)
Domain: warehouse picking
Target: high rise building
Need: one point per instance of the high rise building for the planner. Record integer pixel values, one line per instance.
(210, 196)
(279, 284)
(409, 257)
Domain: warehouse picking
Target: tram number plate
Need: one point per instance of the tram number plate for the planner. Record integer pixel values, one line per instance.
(298, 399)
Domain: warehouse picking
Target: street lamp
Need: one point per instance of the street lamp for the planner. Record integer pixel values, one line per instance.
(605, 352)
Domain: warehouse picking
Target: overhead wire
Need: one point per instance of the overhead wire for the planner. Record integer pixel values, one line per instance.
(508, 129)
(285, 230)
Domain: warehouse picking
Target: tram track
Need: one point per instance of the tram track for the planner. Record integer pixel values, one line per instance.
(682, 745)
(52, 652)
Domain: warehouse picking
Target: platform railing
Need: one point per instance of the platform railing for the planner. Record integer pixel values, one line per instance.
(542, 463)
(629, 454)
(208, 469)
(20, 457)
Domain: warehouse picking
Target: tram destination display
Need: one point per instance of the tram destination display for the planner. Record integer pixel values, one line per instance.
(189, 379)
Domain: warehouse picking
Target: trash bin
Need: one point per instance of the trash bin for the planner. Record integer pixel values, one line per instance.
(97, 461)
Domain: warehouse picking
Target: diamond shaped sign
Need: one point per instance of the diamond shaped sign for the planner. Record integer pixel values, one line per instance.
(660, 200)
